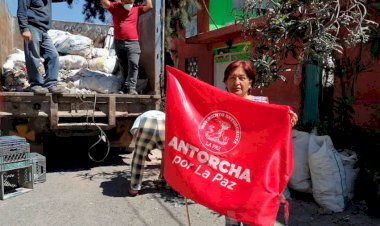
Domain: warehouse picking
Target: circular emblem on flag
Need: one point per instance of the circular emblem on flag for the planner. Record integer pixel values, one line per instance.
(219, 132)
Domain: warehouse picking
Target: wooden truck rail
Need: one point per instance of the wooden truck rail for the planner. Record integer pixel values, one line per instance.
(76, 112)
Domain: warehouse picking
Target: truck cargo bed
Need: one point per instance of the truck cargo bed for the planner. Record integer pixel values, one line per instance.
(76, 111)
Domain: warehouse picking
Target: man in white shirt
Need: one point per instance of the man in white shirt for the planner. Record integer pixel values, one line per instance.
(148, 133)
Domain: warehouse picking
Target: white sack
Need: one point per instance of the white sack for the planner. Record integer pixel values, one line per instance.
(76, 45)
(104, 64)
(327, 174)
(300, 179)
(14, 61)
(70, 62)
(349, 159)
(99, 52)
(58, 37)
(97, 81)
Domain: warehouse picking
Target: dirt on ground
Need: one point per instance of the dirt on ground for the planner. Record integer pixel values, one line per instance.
(79, 192)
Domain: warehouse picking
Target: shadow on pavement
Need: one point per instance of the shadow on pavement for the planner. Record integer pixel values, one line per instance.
(72, 154)
(119, 183)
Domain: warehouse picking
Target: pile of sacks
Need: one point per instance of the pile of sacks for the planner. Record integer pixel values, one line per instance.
(323, 171)
(83, 68)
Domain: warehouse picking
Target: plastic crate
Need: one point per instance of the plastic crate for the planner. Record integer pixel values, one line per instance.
(39, 167)
(11, 140)
(14, 156)
(15, 182)
(12, 143)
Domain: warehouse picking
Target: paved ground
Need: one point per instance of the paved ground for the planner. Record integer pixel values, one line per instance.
(88, 194)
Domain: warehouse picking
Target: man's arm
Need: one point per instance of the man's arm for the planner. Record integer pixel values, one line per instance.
(22, 15)
(148, 6)
(105, 4)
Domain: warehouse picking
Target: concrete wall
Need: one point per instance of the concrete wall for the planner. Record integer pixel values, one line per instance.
(6, 27)
(96, 32)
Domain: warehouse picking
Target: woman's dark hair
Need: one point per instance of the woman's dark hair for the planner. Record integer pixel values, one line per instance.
(246, 65)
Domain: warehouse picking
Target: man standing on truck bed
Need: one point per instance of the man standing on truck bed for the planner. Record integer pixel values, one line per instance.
(125, 17)
(34, 19)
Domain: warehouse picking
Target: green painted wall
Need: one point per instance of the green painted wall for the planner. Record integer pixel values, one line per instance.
(221, 13)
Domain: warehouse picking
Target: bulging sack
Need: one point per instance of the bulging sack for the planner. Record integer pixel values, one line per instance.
(104, 64)
(76, 45)
(327, 174)
(300, 180)
(72, 62)
(97, 81)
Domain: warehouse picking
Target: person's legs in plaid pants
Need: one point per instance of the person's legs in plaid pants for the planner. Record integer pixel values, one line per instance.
(151, 135)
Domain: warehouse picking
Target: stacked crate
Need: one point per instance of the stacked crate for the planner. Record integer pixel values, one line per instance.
(39, 167)
(16, 175)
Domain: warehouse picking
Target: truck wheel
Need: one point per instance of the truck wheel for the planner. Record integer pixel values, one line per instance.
(120, 137)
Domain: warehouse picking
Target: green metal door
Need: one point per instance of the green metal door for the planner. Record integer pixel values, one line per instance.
(311, 93)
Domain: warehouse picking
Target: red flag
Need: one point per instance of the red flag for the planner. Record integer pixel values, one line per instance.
(227, 153)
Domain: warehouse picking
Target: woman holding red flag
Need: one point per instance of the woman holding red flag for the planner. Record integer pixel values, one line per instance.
(239, 78)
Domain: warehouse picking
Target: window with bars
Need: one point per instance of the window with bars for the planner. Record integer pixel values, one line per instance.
(192, 66)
